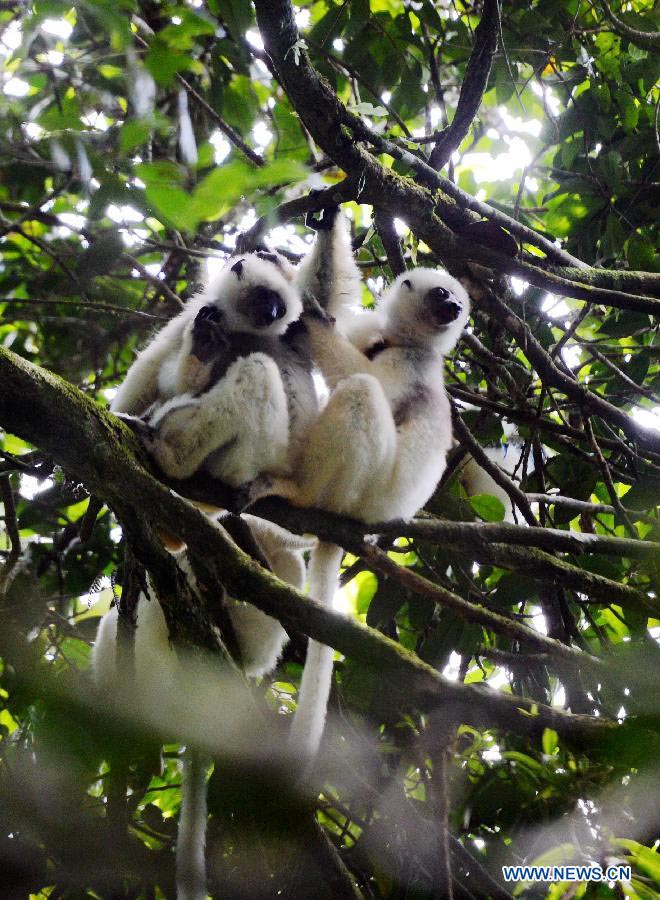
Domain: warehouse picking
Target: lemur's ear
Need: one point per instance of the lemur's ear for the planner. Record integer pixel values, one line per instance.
(238, 269)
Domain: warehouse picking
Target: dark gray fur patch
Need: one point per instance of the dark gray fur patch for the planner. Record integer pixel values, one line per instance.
(375, 349)
(269, 257)
(412, 404)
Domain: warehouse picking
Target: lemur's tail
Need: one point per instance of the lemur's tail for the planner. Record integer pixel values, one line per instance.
(191, 838)
(309, 719)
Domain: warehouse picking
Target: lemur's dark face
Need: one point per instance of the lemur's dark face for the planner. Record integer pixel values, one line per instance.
(262, 306)
(259, 304)
(443, 308)
(438, 307)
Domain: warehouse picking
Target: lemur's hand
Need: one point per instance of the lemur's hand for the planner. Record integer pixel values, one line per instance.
(323, 220)
(312, 309)
(208, 335)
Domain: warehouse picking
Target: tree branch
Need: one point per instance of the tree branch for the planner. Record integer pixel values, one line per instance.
(321, 111)
(315, 201)
(551, 375)
(433, 218)
(390, 240)
(473, 87)
(11, 529)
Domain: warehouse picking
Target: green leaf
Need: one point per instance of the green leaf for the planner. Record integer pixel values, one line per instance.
(182, 35)
(240, 105)
(164, 62)
(549, 741)
(641, 254)
(163, 188)
(61, 116)
(368, 109)
(224, 187)
(237, 14)
(133, 134)
(487, 507)
(646, 860)
(629, 111)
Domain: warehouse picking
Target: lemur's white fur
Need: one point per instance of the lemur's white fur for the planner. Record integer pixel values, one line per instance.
(378, 449)
(240, 427)
(260, 637)
(330, 274)
(245, 416)
(359, 460)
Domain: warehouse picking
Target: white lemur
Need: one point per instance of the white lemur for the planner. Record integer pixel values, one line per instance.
(227, 387)
(378, 449)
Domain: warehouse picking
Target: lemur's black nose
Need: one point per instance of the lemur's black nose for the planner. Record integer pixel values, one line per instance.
(265, 306)
(444, 307)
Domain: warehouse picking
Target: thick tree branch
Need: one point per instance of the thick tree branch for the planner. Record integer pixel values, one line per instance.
(98, 449)
(473, 87)
(578, 287)
(485, 534)
(433, 218)
(626, 281)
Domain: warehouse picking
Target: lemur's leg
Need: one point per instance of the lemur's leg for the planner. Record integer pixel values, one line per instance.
(243, 421)
(353, 441)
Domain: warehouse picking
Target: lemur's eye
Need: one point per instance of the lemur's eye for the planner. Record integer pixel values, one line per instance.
(237, 268)
(407, 283)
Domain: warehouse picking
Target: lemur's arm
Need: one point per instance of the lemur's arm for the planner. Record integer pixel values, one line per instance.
(206, 353)
(329, 272)
(334, 354)
(140, 387)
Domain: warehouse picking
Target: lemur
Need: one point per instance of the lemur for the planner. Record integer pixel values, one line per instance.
(225, 387)
(378, 449)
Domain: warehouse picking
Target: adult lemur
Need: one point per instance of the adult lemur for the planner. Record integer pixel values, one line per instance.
(227, 387)
(378, 449)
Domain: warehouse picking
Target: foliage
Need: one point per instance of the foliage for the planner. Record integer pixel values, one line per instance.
(138, 141)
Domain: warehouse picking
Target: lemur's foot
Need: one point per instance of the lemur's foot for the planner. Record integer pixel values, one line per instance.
(139, 427)
(312, 309)
(322, 220)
